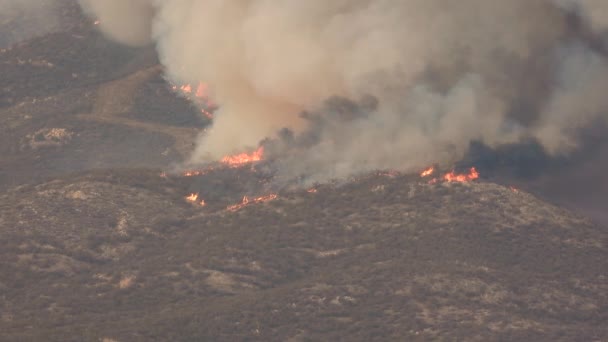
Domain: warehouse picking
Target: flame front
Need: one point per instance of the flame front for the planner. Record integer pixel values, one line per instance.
(186, 88)
(200, 96)
(194, 173)
(234, 161)
(246, 201)
(453, 177)
(244, 158)
(194, 198)
(427, 172)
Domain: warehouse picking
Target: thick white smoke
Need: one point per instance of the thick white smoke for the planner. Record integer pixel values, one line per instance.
(445, 73)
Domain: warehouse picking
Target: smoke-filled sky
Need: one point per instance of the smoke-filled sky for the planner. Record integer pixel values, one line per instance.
(441, 74)
(24, 19)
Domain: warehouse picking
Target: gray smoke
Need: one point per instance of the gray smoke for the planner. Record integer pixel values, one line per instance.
(128, 22)
(442, 74)
(24, 19)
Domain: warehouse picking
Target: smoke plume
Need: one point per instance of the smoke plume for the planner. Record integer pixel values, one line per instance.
(356, 85)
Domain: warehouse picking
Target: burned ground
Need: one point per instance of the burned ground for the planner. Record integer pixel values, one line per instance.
(96, 243)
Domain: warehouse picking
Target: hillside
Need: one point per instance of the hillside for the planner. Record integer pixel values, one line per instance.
(121, 255)
(98, 241)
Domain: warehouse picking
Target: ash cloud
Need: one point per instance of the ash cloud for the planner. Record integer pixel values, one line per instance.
(442, 75)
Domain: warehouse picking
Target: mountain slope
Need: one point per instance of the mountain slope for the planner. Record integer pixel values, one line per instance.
(121, 255)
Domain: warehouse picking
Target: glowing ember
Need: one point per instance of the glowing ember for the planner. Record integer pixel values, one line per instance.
(453, 177)
(191, 173)
(194, 173)
(244, 158)
(207, 113)
(200, 96)
(186, 88)
(312, 191)
(192, 198)
(389, 173)
(246, 201)
(427, 172)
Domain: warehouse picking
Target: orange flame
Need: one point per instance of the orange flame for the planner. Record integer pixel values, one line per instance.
(194, 198)
(200, 95)
(244, 158)
(246, 201)
(453, 177)
(186, 88)
(192, 173)
(427, 172)
(234, 161)
(207, 113)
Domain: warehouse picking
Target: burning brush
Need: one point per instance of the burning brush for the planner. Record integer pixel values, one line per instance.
(200, 97)
(451, 177)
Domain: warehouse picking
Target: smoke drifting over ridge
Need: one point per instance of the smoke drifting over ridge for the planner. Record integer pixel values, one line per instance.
(24, 19)
(383, 83)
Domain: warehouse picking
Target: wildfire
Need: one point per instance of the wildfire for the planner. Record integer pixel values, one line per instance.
(427, 172)
(96, 22)
(194, 198)
(246, 201)
(453, 177)
(186, 88)
(234, 161)
(244, 158)
(207, 113)
(195, 173)
(199, 96)
(312, 191)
